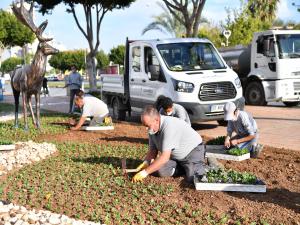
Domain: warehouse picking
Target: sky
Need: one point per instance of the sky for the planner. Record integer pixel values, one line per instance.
(119, 24)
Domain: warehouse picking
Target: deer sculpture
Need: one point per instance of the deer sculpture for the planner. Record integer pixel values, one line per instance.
(28, 78)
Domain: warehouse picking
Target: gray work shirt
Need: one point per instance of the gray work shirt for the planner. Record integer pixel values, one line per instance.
(74, 81)
(244, 125)
(93, 107)
(175, 135)
(179, 112)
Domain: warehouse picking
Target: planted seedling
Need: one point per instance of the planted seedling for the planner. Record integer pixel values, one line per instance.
(237, 151)
(216, 141)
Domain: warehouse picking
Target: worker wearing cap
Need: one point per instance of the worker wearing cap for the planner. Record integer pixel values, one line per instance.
(180, 146)
(168, 108)
(245, 128)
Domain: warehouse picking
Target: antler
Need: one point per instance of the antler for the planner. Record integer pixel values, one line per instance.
(26, 17)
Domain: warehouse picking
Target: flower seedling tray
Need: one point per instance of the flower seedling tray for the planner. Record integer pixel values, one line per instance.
(219, 152)
(7, 147)
(259, 187)
(96, 128)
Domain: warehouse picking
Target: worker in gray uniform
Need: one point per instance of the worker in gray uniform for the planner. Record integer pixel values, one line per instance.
(245, 128)
(74, 82)
(174, 147)
(168, 108)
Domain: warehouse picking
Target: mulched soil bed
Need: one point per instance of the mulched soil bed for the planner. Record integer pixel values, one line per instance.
(279, 168)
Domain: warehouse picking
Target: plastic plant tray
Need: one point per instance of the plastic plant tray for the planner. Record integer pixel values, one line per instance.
(218, 152)
(260, 187)
(89, 128)
(7, 147)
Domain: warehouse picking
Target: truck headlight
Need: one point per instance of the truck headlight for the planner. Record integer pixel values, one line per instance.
(237, 82)
(182, 86)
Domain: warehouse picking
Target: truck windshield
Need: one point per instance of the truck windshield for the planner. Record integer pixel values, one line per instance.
(190, 56)
(288, 45)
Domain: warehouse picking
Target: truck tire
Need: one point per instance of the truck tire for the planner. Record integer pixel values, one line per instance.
(118, 114)
(254, 94)
(222, 123)
(291, 104)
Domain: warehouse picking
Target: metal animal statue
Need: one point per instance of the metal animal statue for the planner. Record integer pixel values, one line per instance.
(28, 79)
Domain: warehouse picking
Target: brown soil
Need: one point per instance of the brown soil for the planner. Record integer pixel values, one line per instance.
(278, 168)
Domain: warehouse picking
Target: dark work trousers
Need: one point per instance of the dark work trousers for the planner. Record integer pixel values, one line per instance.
(193, 163)
(72, 95)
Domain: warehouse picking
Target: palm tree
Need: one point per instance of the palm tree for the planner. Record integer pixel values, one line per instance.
(264, 9)
(167, 23)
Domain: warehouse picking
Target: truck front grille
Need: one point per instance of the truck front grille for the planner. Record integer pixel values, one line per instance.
(296, 86)
(217, 91)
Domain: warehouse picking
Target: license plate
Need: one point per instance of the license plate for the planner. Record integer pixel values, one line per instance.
(217, 108)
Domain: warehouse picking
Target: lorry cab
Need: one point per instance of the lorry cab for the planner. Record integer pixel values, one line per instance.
(276, 62)
(190, 71)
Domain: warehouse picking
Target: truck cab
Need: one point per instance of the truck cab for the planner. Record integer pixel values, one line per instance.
(276, 62)
(190, 71)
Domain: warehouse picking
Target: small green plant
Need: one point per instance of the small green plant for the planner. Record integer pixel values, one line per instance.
(5, 142)
(216, 141)
(230, 176)
(237, 151)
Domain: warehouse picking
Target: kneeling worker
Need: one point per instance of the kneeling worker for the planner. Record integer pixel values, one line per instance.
(245, 127)
(180, 146)
(91, 107)
(168, 108)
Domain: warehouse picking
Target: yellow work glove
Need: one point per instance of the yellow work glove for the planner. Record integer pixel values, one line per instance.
(142, 166)
(140, 176)
(107, 120)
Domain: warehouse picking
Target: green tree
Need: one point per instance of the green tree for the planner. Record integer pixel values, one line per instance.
(12, 32)
(94, 11)
(64, 60)
(102, 59)
(242, 25)
(213, 33)
(188, 13)
(10, 64)
(265, 10)
(117, 55)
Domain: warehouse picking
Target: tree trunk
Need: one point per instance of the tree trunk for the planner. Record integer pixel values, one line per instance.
(91, 70)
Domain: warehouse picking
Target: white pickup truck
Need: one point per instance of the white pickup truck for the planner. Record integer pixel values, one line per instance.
(190, 71)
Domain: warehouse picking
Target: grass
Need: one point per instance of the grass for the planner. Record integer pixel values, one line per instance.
(8, 108)
(8, 132)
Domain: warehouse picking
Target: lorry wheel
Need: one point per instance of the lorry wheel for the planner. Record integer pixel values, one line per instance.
(291, 104)
(255, 94)
(118, 114)
(222, 123)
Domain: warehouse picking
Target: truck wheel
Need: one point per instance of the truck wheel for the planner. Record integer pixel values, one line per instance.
(222, 123)
(255, 94)
(118, 114)
(291, 104)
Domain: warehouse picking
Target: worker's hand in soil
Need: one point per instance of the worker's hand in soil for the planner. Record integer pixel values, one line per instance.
(142, 166)
(234, 142)
(140, 176)
(72, 122)
(227, 143)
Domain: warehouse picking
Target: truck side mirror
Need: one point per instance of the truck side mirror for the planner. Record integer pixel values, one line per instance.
(154, 72)
(266, 47)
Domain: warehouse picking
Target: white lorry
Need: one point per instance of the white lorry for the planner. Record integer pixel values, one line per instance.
(269, 68)
(189, 70)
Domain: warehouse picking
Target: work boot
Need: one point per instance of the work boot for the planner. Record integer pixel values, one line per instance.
(214, 163)
(257, 149)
